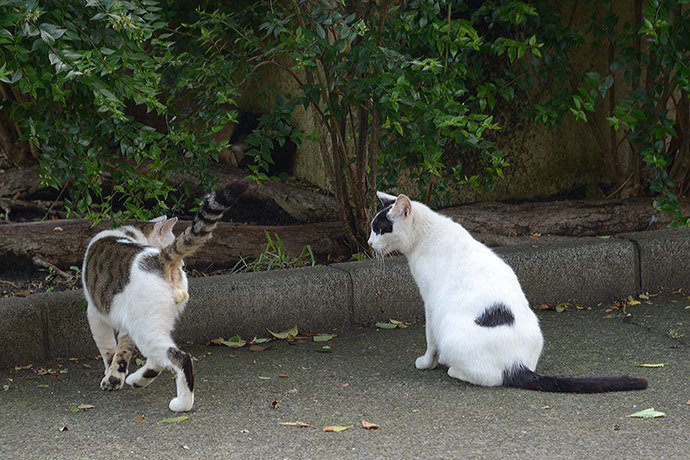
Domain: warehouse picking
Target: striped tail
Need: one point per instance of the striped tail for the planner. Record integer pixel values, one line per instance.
(211, 210)
(521, 377)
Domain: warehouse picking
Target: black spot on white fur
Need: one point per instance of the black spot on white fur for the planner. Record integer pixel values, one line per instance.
(494, 316)
(150, 374)
(381, 224)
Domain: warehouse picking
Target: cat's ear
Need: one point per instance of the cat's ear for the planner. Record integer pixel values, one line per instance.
(164, 226)
(167, 227)
(402, 207)
(385, 198)
(159, 219)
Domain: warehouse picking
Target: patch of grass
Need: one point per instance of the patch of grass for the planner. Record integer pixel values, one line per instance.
(676, 334)
(274, 257)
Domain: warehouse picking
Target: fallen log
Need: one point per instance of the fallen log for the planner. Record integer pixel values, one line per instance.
(302, 204)
(566, 218)
(62, 242)
(19, 182)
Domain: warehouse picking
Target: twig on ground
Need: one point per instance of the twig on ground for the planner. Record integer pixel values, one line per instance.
(42, 263)
(10, 284)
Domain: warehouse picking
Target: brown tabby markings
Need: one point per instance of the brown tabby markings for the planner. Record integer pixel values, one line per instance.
(111, 262)
(151, 263)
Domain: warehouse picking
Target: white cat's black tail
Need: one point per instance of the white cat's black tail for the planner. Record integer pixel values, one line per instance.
(211, 210)
(520, 377)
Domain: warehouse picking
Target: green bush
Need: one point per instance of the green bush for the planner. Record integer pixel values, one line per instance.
(643, 92)
(391, 83)
(75, 75)
(116, 97)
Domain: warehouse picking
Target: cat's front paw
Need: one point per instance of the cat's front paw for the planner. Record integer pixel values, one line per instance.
(181, 404)
(113, 381)
(425, 362)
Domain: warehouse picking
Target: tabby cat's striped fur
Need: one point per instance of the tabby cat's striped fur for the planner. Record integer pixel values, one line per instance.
(136, 288)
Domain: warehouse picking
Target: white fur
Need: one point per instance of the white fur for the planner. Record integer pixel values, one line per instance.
(458, 278)
(146, 310)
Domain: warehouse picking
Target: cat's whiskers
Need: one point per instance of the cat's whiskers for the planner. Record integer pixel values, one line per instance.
(381, 254)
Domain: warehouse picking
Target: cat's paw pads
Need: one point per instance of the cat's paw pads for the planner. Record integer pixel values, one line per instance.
(181, 404)
(112, 382)
(180, 296)
(425, 362)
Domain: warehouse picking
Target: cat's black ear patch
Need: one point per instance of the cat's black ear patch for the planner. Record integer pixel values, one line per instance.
(381, 224)
(494, 316)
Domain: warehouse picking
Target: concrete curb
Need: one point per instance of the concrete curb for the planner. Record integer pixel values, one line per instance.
(44, 326)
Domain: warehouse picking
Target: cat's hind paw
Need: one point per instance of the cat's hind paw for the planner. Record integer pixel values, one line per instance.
(180, 295)
(181, 404)
(426, 361)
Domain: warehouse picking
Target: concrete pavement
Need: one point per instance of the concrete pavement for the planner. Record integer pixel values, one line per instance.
(241, 397)
(46, 326)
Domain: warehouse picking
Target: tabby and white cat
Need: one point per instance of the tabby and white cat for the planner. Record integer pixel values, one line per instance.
(136, 288)
(478, 320)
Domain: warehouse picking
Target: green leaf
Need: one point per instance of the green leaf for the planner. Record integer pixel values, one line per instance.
(386, 325)
(181, 418)
(323, 337)
(336, 428)
(74, 409)
(234, 342)
(647, 413)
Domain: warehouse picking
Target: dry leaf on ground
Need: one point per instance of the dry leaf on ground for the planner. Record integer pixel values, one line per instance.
(181, 418)
(285, 334)
(298, 424)
(370, 426)
(258, 348)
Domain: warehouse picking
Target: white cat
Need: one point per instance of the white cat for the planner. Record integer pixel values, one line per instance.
(478, 320)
